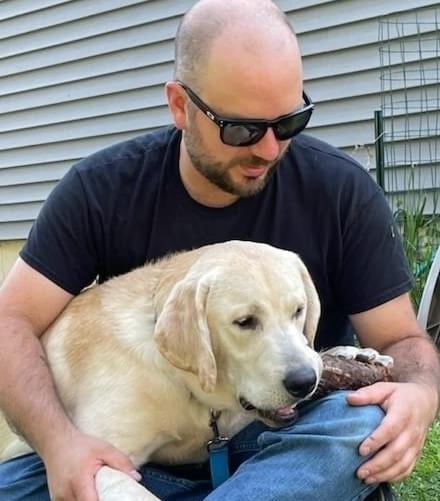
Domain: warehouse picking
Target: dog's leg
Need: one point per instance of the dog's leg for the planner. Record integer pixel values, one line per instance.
(114, 485)
(363, 354)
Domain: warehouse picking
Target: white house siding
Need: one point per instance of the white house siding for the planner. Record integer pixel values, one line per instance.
(78, 75)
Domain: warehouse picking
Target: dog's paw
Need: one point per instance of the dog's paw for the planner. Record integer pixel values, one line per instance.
(114, 485)
(350, 368)
(361, 354)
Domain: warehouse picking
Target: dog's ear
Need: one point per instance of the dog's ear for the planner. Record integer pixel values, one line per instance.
(182, 333)
(313, 305)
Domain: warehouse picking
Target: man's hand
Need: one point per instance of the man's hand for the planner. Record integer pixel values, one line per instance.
(396, 444)
(411, 403)
(71, 467)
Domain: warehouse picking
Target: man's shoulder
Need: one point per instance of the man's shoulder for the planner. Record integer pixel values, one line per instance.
(144, 150)
(320, 162)
(316, 150)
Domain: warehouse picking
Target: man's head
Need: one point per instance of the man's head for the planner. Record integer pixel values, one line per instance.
(238, 59)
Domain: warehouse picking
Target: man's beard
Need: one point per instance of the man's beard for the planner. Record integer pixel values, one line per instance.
(218, 173)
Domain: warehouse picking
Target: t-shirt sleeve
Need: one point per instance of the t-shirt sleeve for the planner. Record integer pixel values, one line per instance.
(374, 267)
(62, 242)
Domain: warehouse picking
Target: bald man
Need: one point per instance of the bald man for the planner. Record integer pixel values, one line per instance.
(235, 165)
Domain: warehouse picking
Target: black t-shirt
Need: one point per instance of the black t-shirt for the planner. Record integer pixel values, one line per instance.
(126, 205)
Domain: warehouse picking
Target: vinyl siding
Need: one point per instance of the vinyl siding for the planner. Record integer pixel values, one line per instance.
(78, 75)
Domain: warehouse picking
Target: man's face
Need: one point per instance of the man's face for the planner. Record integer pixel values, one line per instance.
(238, 171)
(262, 81)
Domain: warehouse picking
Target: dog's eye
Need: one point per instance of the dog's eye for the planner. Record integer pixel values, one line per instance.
(249, 322)
(298, 312)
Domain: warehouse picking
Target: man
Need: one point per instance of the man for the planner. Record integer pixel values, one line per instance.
(213, 179)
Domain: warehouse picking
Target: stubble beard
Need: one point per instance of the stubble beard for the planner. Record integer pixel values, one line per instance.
(218, 173)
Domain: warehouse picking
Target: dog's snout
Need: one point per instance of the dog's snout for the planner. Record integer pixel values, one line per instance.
(300, 382)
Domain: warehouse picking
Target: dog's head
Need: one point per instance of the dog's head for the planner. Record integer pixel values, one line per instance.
(243, 320)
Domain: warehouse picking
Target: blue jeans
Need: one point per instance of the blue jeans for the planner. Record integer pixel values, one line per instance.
(316, 458)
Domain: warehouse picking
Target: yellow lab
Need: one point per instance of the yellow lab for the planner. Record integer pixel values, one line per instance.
(145, 358)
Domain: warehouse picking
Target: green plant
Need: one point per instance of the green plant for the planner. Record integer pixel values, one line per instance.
(421, 238)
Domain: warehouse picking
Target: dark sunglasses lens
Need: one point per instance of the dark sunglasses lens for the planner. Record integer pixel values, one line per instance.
(242, 134)
(293, 125)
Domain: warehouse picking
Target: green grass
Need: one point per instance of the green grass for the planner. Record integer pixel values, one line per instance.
(424, 483)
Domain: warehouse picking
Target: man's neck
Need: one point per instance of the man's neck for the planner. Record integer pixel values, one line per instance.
(199, 188)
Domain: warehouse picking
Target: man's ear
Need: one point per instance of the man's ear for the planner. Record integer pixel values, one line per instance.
(177, 103)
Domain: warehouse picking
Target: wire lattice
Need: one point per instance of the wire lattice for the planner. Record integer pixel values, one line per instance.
(410, 103)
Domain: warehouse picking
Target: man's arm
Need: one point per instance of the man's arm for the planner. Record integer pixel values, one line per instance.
(411, 404)
(29, 303)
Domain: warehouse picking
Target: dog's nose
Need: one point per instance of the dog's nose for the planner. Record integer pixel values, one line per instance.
(300, 382)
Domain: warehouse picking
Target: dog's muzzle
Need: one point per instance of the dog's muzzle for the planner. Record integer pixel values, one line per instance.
(300, 383)
(272, 417)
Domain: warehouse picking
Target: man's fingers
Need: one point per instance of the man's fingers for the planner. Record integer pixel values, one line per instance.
(377, 393)
(119, 461)
(388, 465)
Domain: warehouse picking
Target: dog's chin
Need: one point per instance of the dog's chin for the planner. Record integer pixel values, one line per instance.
(275, 418)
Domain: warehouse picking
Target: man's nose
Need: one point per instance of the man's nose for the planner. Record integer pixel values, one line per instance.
(268, 147)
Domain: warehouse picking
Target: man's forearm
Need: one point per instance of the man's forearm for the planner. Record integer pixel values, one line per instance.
(416, 360)
(27, 394)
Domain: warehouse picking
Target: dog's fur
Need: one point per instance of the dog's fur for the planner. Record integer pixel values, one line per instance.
(143, 358)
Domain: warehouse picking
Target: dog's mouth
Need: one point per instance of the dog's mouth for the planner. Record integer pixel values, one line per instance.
(272, 417)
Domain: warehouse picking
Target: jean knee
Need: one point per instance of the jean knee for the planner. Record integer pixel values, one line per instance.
(335, 409)
(331, 421)
(367, 417)
(357, 422)
(317, 456)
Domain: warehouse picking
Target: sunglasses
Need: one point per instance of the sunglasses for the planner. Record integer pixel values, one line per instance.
(237, 132)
